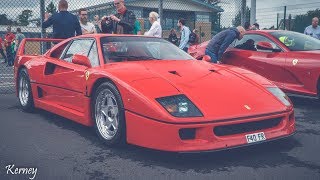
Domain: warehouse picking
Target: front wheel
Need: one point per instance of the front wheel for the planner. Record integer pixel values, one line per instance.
(108, 114)
(25, 91)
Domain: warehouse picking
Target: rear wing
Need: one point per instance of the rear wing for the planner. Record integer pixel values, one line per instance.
(36, 46)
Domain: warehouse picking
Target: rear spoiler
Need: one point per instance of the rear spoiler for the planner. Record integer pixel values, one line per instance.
(40, 47)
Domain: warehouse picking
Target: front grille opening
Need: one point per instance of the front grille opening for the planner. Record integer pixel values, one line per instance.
(246, 127)
(187, 133)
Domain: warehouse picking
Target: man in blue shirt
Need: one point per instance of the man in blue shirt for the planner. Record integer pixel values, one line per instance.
(65, 24)
(313, 30)
(185, 33)
(221, 41)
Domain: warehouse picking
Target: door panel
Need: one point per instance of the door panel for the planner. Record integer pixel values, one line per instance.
(65, 84)
(266, 63)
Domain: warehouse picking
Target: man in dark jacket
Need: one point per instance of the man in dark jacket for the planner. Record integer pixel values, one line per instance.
(65, 24)
(221, 41)
(121, 23)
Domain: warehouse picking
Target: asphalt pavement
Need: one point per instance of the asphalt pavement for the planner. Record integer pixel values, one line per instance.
(62, 149)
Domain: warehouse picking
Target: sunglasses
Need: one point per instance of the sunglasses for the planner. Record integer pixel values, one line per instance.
(117, 3)
(84, 14)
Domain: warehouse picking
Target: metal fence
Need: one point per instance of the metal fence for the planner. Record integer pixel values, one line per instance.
(207, 16)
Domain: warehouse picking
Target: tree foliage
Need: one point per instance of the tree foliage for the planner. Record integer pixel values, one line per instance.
(300, 22)
(24, 17)
(237, 19)
(4, 20)
(213, 2)
(51, 8)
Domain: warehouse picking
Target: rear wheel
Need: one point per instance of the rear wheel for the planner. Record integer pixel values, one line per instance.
(108, 114)
(25, 91)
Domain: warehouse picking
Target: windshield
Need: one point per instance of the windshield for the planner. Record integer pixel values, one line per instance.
(297, 41)
(118, 49)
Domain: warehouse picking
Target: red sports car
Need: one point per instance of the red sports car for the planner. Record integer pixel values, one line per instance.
(147, 92)
(290, 60)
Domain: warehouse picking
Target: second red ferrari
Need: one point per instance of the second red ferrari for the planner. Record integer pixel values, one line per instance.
(290, 60)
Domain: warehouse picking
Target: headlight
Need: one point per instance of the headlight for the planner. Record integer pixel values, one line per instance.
(179, 106)
(280, 95)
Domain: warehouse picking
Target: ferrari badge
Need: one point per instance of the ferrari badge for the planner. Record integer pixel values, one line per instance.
(87, 74)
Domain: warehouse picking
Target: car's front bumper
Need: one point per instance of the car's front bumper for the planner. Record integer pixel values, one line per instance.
(153, 134)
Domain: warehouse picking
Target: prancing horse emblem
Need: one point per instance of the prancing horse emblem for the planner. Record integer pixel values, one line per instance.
(247, 107)
(295, 62)
(87, 74)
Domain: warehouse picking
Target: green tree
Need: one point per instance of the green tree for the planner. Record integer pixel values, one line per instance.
(4, 20)
(24, 17)
(300, 22)
(213, 2)
(51, 8)
(237, 19)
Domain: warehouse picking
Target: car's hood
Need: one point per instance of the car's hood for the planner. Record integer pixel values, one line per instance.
(218, 91)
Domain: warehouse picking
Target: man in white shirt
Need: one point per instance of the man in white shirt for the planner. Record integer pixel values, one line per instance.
(86, 27)
(313, 30)
(155, 29)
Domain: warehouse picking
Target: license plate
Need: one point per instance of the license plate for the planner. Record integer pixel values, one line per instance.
(256, 137)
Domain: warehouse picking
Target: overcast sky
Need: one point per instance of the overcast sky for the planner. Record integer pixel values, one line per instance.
(266, 9)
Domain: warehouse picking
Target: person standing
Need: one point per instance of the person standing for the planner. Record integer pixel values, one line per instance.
(120, 23)
(221, 41)
(255, 26)
(19, 38)
(155, 29)
(185, 33)
(86, 27)
(247, 26)
(97, 23)
(65, 24)
(314, 29)
(173, 37)
(2, 52)
(137, 28)
(8, 40)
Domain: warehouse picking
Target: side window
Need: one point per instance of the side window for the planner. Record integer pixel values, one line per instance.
(57, 52)
(93, 56)
(81, 46)
(249, 42)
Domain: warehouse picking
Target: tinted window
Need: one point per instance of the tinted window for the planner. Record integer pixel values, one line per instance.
(297, 41)
(81, 46)
(249, 42)
(117, 49)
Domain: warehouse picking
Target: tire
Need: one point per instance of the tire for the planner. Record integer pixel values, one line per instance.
(108, 115)
(25, 91)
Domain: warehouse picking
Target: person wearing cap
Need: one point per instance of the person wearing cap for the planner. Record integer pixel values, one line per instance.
(286, 41)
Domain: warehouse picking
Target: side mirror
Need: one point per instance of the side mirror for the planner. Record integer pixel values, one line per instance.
(206, 58)
(263, 45)
(81, 60)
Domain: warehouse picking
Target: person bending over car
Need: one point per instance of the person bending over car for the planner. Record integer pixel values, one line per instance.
(120, 23)
(221, 41)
